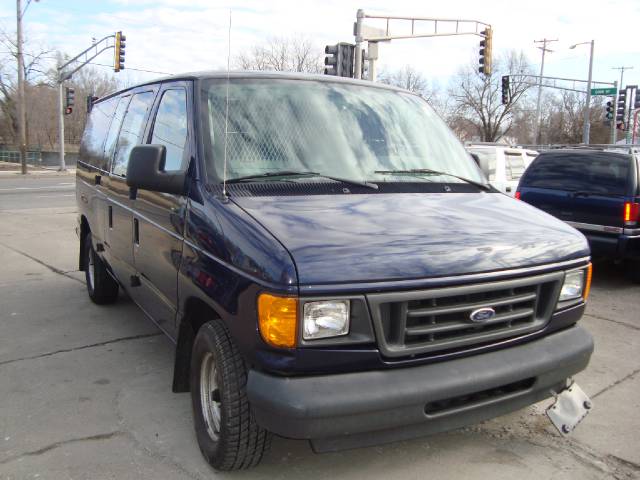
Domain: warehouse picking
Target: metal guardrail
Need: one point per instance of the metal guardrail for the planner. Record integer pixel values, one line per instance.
(14, 156)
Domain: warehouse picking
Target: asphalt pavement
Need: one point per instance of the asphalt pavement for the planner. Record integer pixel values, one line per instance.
(18, 193)
(85, 391)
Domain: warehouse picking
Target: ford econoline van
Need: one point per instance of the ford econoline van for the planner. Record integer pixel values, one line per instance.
(330, 262)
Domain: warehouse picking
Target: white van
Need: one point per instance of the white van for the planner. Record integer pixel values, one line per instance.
(503, 166)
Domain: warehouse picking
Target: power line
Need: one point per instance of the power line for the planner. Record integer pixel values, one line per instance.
(92, 63)
(130, 68)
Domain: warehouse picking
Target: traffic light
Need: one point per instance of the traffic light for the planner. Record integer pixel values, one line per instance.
(506, 94)
(339, 60)
(486, 47)
(610, 109)
(118, 57)
(332, 60)
(622, 107)
(70, 100)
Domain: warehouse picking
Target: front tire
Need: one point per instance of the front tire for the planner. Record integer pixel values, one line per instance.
(228, 435)
(101, 287)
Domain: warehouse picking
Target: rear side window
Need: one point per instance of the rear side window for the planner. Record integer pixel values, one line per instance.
(170, 127)
(514, 165)
(131, 131)
(596, 173)
(112, 136)
(91, 147)
(487, 162)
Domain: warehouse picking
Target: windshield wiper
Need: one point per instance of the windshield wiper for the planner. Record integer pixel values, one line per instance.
(428, 171)
(293, 173)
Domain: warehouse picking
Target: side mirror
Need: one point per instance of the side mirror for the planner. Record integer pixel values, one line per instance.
(146, 171)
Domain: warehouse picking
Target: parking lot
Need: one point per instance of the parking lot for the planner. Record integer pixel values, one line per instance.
(85, 391)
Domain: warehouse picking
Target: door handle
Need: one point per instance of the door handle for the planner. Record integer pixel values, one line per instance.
(136, 231)
(83, 197)
(508, 189)
(98, 179)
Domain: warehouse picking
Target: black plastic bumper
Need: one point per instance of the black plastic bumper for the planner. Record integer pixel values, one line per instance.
(617, 247)
(368, 408)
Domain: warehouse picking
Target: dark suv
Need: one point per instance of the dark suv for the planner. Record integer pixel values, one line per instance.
(596, 192)
(329, 261)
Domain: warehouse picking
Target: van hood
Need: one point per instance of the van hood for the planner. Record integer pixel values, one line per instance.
(382, 237)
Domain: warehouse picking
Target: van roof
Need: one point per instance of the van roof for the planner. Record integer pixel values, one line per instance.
(506, 148)
(234, 74)
(583, 151)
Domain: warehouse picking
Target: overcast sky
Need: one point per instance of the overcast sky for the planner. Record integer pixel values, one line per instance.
(175, 36)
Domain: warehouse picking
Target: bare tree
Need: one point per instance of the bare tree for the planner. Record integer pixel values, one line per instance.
(478, 99)
(282, 54)
(408, 78)
(34, 72)
(415, 81)
(563, 118)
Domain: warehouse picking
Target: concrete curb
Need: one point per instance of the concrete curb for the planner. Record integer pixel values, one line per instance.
(37, 173)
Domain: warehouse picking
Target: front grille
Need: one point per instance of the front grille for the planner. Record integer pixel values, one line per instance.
(426, 321)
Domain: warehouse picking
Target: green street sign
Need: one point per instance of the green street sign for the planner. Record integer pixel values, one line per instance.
(603, 91)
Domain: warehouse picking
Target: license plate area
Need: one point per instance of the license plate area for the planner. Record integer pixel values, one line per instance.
(569, 409)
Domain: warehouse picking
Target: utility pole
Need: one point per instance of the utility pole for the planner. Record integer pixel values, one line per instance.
(544, 49)
(22, 121)
(622, 69)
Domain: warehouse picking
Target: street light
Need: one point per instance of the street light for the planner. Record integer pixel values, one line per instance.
(587, 110)
(22, 120)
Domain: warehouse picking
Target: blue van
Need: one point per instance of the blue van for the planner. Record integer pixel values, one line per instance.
(329, 261)
(597, 192)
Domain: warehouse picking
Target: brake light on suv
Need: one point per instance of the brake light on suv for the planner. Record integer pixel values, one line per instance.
(631, 213)
(517, 195)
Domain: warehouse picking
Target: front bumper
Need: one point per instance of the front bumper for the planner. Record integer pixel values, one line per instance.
(366, 408)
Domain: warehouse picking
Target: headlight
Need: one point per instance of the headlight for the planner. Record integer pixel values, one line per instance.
(325, 318)
(573, 286)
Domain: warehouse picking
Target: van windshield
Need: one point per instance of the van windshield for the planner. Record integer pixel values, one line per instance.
(348, 131)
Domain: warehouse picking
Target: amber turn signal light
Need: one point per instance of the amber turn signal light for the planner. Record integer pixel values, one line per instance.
(587, 283)
(278, 320)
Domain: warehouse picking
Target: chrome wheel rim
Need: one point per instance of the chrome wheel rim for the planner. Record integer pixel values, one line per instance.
(91, 268)
(210, 396)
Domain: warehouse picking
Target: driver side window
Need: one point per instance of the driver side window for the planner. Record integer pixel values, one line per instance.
(171, 128)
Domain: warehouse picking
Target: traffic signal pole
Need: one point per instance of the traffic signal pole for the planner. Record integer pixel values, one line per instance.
(61, 124)
(438, 27)
(357, 68)
(612, 139)
(82, 59)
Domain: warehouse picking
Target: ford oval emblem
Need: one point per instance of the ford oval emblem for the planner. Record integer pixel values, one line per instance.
(482, 315)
